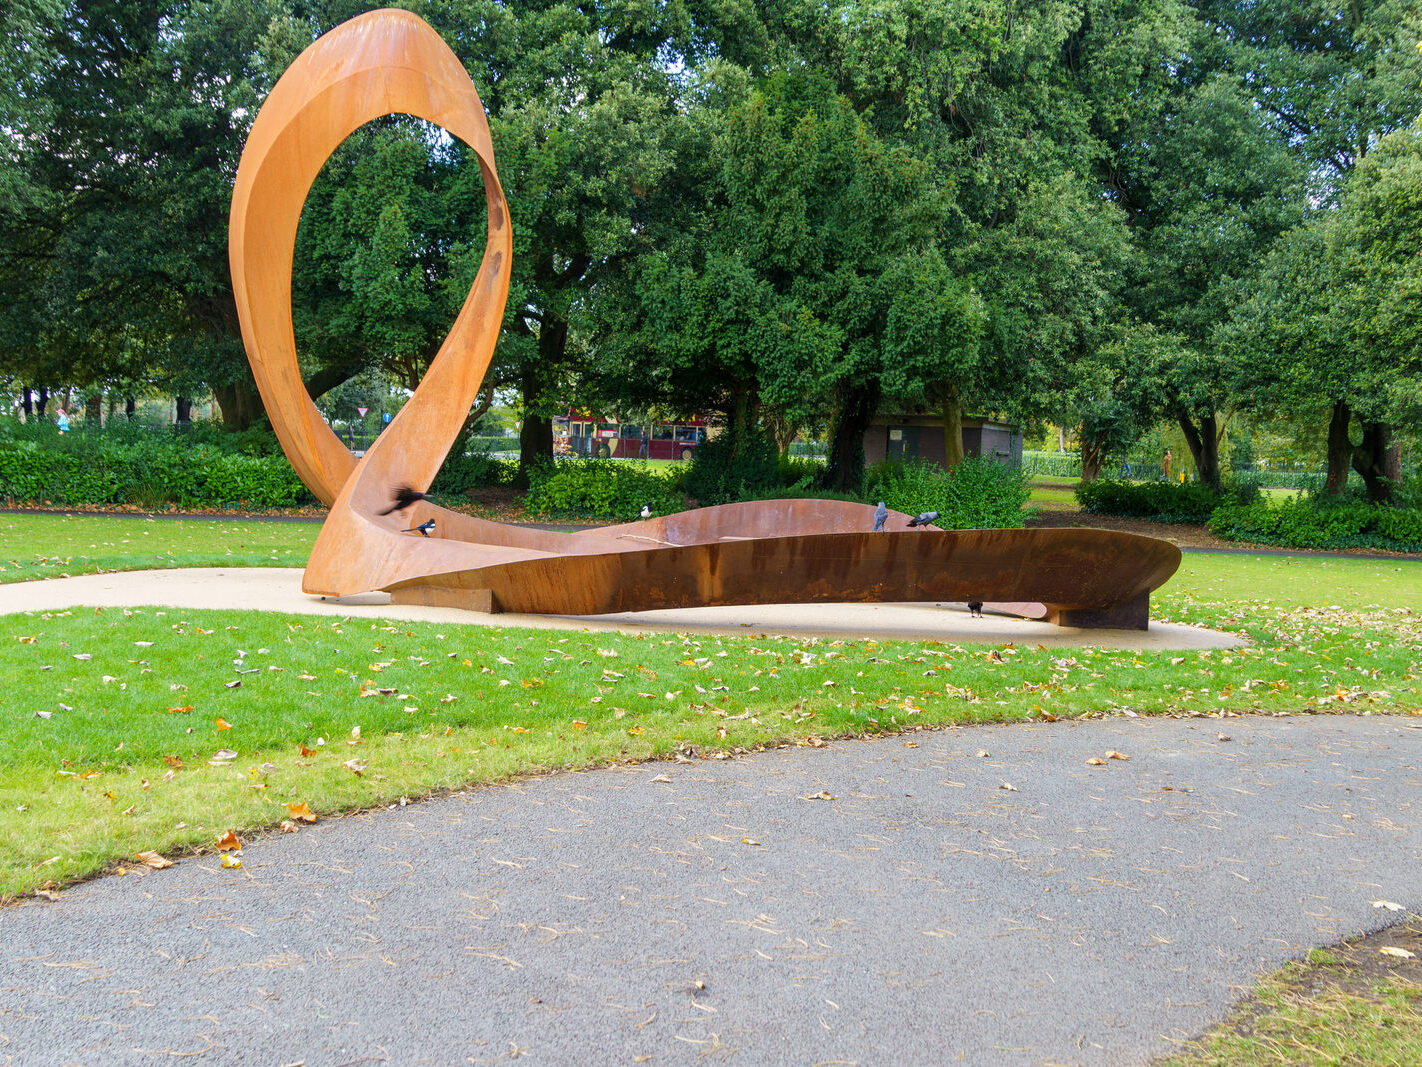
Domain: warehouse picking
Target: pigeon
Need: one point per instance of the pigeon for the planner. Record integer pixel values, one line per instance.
(975, 609)
(423, 529)
(404, 497)
(923, 518)
(881, 513)
(646, 512)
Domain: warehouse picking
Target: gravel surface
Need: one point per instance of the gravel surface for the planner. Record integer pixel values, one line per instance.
(879, 902)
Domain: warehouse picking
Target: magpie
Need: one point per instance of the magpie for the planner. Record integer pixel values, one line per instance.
(423, 529)
(404, 497)
(646, 512)
(975, 609)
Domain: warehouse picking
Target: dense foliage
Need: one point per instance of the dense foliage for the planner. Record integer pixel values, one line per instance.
(603, 489)
(975, 494)
(152, 472)
(1309, 523)
(1113, 216)
(1155, 501)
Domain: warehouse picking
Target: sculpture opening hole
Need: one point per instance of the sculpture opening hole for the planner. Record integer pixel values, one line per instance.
(389, 243)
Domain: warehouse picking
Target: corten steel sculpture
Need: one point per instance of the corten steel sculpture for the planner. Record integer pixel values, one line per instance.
(784, 551)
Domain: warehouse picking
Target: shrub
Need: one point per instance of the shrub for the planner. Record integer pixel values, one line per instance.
(473, 470)
(976, 494)
(146, 470)
(1318, 525)
(734, 467)
(1155, 501)
(607, 489)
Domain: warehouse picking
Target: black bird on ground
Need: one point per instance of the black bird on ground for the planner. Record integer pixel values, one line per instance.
(881, 513)
(423, 529)
(923, 518)
(404, 497)
(975, 609)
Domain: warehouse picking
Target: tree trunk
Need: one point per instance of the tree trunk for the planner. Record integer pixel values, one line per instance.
(130, 407)
(41, 400)
(1340, 449)
(1373, 460)
(27, 405)
(94, 410)
(952, 432)
(1204, 445)
(184, 406)
(241, 405)
(846, 449)
(1093, 453)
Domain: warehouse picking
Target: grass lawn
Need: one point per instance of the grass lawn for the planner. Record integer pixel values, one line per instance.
(54, 546)
(1352, 1003)
(1055, 498)
(160, 729)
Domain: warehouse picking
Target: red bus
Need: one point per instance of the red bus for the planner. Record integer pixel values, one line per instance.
(580, 433)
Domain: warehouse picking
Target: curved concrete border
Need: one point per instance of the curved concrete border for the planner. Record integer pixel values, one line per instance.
(279, 589)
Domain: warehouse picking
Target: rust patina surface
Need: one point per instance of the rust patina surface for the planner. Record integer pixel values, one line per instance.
(779, 551)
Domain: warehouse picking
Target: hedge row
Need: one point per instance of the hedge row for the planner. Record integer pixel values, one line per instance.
(1154, 501)
(1303, 523)
(602, 488)
(148, 474)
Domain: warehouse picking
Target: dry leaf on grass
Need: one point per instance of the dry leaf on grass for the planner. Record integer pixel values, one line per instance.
(1400, 953)
(231, 861)
(289, 827)
(301, 811)
(222, 724)
(355, 766)
(154, 860)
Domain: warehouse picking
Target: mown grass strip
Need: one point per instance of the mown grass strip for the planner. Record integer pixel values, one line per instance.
(118, 719)
(53, 546)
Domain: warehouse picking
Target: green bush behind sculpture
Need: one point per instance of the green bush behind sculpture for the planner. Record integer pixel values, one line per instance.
(95, 469)
(1312, 523)
(977, 494)
(602, 488)
(1154, 501)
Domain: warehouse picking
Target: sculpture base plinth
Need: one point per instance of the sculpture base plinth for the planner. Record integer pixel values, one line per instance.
(1131, 615)
(442, 596)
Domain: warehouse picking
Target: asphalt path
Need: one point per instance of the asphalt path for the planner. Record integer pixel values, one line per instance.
(978, 895)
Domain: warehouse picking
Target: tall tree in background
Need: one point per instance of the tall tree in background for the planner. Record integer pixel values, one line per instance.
(1334, 80)
(809, 281)
(132, 128)
(1210, 188)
